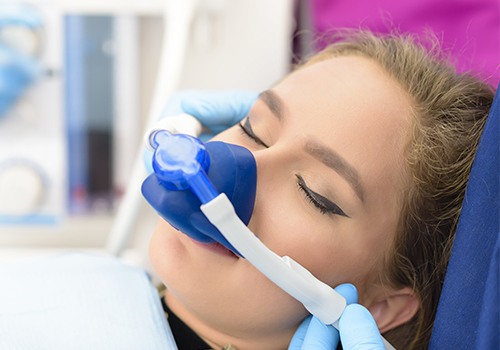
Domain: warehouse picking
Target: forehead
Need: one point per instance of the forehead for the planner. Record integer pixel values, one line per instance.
(353, 106)
(346, 82)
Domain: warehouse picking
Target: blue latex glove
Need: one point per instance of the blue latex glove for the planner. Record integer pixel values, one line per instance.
(24, 15)
(357, 328)
(17, 72)
(216, 110)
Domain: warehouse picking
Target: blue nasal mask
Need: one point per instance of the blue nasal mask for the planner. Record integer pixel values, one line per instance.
(207, 191)
(182, 165)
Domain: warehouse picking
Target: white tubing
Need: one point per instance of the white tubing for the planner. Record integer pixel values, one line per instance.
(177, 16)
(318, 298)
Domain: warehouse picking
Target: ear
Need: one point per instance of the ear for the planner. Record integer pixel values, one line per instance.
(394, 309)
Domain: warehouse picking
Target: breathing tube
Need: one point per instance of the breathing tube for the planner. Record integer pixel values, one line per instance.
(207, 191)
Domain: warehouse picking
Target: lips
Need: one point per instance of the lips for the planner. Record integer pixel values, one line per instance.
(216, 248)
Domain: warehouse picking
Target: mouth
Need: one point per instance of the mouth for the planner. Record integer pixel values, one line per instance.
(216, 248)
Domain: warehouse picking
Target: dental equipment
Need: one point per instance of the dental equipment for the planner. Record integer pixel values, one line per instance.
(20, 45)
(182, 167)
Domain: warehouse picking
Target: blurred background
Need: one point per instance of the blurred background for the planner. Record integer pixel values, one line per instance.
(77, 83)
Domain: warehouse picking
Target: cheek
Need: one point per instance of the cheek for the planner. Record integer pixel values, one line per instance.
(165, 249)
(334, 250)
(285, 225)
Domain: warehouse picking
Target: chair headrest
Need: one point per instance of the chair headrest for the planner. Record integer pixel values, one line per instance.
(467, 315)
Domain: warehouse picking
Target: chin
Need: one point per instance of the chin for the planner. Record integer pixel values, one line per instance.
(184, 264)
(166, 251)
(218, 288)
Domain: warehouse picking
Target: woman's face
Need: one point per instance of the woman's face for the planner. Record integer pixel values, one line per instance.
(328, 141)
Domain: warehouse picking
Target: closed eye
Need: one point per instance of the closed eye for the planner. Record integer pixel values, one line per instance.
(323, 204)
(246, 128)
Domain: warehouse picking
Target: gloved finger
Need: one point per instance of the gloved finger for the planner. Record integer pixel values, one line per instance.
(219, 110)
(349, 292)
(173, 105)
(320, 336)
(358, 330)
(313, 334)
(300, 334)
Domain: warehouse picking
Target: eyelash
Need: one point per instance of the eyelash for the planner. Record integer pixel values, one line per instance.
(331, 209)
(251, 135)
(310, 195)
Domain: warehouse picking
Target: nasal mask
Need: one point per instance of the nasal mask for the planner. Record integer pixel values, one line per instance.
(207, 191)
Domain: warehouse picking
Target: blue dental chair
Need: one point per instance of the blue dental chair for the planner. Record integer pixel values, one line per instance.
(468, 311)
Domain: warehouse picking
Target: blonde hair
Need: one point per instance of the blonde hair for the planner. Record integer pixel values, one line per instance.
(449, 113)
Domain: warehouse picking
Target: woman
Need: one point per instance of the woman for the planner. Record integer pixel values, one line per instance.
(363, 154)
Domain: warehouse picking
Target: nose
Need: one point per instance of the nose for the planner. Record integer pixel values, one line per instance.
(274, 166)
(272, 163)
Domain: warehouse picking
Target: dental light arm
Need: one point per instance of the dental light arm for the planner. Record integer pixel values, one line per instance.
(180, 162)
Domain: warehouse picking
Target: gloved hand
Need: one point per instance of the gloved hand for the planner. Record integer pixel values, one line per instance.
(216, 110)
(18, 66)
(357, 328)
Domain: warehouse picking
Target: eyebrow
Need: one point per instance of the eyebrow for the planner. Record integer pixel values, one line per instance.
(273, 102)
(320, 152)
(335, 161)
